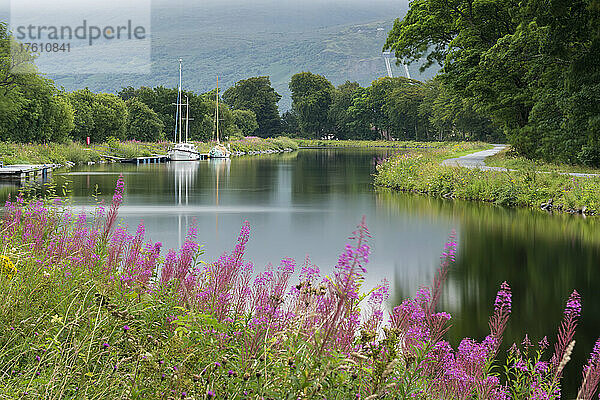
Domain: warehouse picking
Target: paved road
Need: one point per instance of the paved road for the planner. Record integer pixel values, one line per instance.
(477, 160)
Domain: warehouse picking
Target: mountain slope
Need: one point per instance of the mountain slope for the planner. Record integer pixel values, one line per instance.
(235, 40)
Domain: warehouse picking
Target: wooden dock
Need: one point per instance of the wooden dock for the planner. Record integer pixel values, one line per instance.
(155, 159)
(25, 172)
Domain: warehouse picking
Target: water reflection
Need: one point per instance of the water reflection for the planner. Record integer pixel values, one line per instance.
(184, 178)
(543, 257)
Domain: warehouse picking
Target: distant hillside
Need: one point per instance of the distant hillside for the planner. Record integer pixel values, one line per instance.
(341, 40)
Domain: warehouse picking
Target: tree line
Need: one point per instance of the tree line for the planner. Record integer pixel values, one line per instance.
(388, 109)
(33, 109)
(531, 66)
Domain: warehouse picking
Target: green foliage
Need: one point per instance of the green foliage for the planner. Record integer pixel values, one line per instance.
(98, 116)
(311, 99)
(257, 95)
(143, 124)
(343, 118)
(397, 144)
(246, 121)
(454, 117)
(161, 101)
(289, 123)
(528, 68)
(128, 149)
(31, 108)
(512, 160)
(255, 144)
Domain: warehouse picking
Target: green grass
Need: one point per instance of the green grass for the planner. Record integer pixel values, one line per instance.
(409, 144)
(53, 153)
(421, 172)
(507, 158)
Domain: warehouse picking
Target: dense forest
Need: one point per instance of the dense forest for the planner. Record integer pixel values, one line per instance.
(530, 66)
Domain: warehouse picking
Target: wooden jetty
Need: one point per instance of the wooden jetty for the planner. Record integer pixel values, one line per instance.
(154, 159)
(25, 172)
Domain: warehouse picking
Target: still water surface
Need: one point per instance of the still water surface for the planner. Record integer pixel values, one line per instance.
(306, 203)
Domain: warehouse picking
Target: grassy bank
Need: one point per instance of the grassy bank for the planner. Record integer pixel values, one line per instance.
(409, 144)
(76, 153)
(92, 311)
(509, 159)
(420, 172)
(53, 153)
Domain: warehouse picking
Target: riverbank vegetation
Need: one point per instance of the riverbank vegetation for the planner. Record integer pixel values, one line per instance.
(400, 144)
(76, 153)
(508, 158)
(91, 310)
(421, 172)
(52, 153)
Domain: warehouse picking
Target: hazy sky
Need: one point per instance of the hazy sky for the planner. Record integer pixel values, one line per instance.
(392, 4)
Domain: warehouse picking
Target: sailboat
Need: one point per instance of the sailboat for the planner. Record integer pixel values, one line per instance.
(218, 151)
(182, 151)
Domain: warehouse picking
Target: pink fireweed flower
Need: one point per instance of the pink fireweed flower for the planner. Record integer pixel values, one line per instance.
(342, 314)
(566, 331)
(526, 342)
(447, 258)
(117, 200)
(503, 301)
(541, 367)
(499, 319)
(543, 344)
(376, 302)
(573, 307)
(591, 374)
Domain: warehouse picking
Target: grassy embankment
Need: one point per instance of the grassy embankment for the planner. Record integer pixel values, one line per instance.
(408, 144)
(421, 172)
(508, 159)
(76, 153)
(91, 311)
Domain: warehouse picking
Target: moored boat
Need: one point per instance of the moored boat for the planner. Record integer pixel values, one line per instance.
(218, 151)
(182, 150)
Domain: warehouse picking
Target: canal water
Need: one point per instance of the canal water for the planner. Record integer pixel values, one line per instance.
(306, 204)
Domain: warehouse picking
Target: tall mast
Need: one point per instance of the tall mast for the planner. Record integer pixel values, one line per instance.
(179, 99)
(218, 109)
(187, 117)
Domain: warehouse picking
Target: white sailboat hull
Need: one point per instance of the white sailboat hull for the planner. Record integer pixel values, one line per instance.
(184, 152)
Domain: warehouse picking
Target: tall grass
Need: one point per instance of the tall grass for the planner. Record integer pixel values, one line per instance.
(398, 144)
(52, 153)
(422, 173)
(90, 310)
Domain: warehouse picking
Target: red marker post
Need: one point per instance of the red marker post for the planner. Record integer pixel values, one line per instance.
(87, 139)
